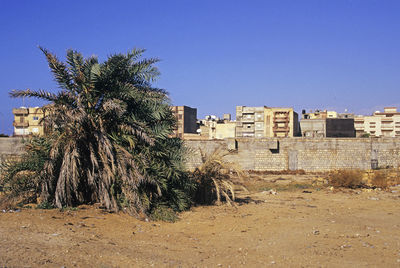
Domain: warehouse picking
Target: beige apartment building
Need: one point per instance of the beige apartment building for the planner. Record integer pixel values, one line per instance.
(28, 121)
(261, 122)
(186, 120)
(213, 127)
(380, 124)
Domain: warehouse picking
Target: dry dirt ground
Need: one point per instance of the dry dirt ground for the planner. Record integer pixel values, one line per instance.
(293, 228)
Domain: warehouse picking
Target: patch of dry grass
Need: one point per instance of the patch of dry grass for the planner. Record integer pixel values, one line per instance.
(380, 179)
(346, 178)
(279, 172)
(263, 185)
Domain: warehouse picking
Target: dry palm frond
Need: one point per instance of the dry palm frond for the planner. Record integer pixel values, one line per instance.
(216, 178)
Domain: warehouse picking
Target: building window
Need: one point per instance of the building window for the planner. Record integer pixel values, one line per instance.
(179, 116)
(35, 118)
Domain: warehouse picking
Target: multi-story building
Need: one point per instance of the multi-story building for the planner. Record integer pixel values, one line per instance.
(213, 127)
(317, 114)
(265, 121)
(327, 127)
(28, 121)
(327, 124)
(380, 124)
(186, 120)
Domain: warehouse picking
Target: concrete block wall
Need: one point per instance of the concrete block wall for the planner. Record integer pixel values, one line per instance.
(316, 154)
(11, 146)
(309, 154)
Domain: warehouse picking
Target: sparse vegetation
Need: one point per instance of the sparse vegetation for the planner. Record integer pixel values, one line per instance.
(280, 172)
(262, 185)
(352, 178)
(163, 213)
(45, 205)
(380, 179)
(216, 179)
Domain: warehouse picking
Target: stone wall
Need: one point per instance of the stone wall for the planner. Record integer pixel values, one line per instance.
(11, 146)
(316, 154)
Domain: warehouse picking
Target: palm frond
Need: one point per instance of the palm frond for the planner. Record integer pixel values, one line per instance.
(40, 94)
(59, 70)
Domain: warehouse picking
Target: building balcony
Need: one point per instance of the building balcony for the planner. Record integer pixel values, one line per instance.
(281, 119)
(383, 127)
(20, 111)
(248, 119)
(20, 124)
(281, 112)
(281, 129)
(248, 110)
(248, 129)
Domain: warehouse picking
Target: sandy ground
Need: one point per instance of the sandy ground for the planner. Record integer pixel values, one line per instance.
(323, 228)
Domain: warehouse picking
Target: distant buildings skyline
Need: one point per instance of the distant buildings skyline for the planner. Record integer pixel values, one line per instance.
(267, 122)
(257, 122)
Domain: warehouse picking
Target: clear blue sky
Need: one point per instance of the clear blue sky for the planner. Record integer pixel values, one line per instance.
(217, 54)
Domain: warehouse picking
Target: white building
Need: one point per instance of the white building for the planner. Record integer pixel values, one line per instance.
(386, 124)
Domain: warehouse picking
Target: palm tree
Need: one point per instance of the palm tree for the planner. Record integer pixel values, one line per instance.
(109, 131)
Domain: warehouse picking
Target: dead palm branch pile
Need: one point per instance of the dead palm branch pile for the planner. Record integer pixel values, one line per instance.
(216, 178)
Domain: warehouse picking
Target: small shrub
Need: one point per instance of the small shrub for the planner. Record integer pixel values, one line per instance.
(163, 213)
(380, 180)
(346, 178)
(45, 205)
